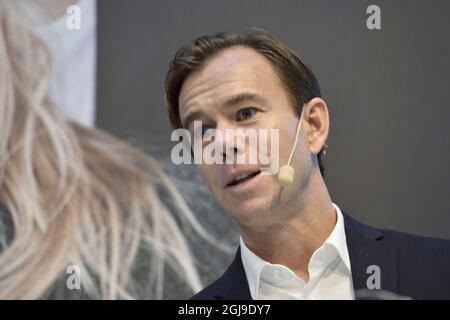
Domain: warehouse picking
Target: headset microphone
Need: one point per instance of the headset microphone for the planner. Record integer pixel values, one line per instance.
(286, 172)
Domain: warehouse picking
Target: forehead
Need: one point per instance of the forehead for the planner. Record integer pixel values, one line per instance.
(231, 72)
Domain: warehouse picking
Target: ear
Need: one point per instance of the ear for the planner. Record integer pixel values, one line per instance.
(317, 123)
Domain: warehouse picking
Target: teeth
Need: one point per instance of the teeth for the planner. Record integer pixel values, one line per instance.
(241, 176)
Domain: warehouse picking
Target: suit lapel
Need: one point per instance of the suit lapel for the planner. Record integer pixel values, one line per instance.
(234, 285)
(366, 248)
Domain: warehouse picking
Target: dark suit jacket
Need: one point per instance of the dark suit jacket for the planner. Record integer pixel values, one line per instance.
(412, 266)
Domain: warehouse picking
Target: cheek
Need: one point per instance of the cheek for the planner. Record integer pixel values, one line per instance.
(286, 123)
(287, 138)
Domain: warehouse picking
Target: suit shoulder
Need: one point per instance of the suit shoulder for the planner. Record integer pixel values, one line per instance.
(402, 239)
(421, 252)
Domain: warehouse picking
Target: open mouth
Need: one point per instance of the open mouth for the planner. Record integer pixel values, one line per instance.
(244, 177)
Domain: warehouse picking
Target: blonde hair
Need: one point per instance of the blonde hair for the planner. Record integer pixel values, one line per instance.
(76, 195)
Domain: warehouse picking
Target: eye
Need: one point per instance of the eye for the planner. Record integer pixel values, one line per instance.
(205, 132)
(246, 113)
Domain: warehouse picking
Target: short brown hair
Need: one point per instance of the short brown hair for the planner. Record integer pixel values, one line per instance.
(297, 78)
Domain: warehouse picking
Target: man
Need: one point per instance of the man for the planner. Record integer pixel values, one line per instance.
(295, 242)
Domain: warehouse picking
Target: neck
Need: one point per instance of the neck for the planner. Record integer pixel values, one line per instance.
(292, 241)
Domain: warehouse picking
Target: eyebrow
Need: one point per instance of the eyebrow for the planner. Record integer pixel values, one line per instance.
(235, 100)
(243, 97)
(191, 117)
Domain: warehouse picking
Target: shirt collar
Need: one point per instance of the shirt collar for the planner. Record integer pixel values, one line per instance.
(338, 240)
(253, 265)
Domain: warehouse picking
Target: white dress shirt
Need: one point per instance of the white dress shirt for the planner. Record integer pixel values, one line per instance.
(72, 84)
(329, 270)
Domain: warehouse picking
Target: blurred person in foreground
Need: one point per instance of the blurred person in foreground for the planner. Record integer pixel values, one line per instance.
(76, 196)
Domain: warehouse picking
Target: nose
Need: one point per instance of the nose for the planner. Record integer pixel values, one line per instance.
(227, 142)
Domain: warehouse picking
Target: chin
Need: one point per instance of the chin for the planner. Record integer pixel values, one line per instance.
(250, 211)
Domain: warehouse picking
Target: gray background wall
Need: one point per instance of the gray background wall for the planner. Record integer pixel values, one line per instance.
(387, 91)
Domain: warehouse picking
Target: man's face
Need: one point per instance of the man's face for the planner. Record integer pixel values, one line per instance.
(263, 103)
